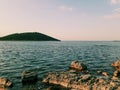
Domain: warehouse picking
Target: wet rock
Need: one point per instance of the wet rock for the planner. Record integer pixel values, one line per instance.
(83, 82)
(59, 78)
(70, 81)
(75, 80)
(78, 66)
(116, 64)
(103, 73)
(102, 84)
(102, 87)
(116, 73)
(112, 84)
(85, 77)
(4, 82)
(29, 77)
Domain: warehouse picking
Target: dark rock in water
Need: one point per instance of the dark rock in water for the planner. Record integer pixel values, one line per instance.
(116, 64)
(78, 66)
(4, 82)
(29, 77)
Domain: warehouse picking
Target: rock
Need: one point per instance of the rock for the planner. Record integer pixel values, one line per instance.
(85, 77)
(4, 82)
(58, 78)
(118, 88)
(3, 88)
(29, 77)
(75, 80)
(78, 66)
(114, 78)
(65, 79)
(101, 84)
(116, 64)
(102, 73)
(112, 83)
(56, 88)
(116, 73)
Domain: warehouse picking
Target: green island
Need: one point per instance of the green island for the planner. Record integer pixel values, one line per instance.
(28, 36)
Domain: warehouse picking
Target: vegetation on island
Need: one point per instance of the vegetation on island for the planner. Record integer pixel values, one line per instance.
(28, 36)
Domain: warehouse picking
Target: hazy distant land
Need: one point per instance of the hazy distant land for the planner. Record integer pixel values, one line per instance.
(28, 36)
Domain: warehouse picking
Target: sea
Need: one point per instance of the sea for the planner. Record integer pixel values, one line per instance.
(50, 56)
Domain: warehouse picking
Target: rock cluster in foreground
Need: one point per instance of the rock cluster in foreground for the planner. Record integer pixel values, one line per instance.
(81, 79)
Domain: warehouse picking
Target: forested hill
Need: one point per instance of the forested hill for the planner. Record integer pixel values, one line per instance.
(29, 36)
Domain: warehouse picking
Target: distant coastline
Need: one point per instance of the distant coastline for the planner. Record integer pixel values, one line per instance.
(28, 36)
(116, 40)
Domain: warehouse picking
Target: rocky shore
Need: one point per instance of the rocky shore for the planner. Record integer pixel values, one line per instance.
(76, 78)
(79, 78)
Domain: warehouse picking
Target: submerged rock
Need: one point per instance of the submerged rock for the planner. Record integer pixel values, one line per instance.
(4, 82)
(78, 66)
(103, 73)
(29, 77)
(116, 65)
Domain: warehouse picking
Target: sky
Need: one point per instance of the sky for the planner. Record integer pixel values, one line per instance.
(62, 19)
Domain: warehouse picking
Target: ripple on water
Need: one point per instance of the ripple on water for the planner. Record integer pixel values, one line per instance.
(44, 57)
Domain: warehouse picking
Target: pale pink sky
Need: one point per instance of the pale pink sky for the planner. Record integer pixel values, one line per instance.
(62, 19)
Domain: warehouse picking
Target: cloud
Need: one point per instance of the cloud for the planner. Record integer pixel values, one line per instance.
(112, 16)
(115, 1)
(65, 8)
(115, 14)
(117, 10)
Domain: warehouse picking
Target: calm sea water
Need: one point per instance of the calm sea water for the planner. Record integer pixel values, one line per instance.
(43, 57)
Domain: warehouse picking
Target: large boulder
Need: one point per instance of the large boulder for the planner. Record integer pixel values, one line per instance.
(4, 82)
(78, 66)
(29, 77)
(116, 65)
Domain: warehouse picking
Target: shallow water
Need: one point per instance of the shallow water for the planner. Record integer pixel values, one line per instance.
(43, 57)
